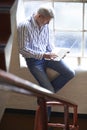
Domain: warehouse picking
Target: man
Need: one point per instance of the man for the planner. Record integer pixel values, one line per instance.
(35, 47)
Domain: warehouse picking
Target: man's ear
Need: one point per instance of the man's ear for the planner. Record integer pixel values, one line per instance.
(39, 15)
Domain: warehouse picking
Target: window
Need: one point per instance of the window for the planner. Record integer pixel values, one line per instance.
(69, 26)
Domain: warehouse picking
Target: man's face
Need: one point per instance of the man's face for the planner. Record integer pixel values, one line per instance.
(43, 20)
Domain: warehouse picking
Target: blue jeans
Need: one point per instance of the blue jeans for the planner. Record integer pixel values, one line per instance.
(38, 69)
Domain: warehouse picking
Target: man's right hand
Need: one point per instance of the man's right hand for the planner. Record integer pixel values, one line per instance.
(50, 56)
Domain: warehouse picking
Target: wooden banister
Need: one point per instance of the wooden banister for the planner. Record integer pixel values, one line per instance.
(10, 82)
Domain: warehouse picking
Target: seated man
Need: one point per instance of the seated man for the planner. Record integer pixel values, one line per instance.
(35, 47)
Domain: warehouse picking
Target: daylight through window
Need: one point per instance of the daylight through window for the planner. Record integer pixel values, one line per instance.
(69, 26)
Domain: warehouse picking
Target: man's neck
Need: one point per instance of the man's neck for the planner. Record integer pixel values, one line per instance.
(36, 17)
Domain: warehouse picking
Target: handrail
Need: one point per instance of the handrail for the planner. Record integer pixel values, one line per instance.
(10, 82)
(35, 90)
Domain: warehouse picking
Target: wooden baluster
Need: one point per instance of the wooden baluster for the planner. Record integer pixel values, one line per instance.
(66, 117)
(41, 118)
(75, 118)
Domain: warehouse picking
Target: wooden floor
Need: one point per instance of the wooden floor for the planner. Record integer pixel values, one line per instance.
(24, 120)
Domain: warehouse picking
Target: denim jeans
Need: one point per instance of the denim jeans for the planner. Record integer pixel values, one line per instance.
(38, 69)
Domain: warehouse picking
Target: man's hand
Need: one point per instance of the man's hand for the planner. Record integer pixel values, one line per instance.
(50, 56)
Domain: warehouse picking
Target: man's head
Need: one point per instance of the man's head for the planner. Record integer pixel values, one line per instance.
(46, 12)
(44, 15)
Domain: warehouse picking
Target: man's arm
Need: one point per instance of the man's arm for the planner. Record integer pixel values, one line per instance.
(23, 40)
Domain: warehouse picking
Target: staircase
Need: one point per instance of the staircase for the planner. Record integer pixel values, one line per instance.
(12, 83)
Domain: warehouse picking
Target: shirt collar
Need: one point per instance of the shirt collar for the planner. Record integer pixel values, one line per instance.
(33, 21)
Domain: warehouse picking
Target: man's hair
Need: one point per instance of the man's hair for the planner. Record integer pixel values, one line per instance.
(46, 12)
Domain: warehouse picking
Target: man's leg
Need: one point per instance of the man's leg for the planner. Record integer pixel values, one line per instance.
(65, 73)
(37, 68)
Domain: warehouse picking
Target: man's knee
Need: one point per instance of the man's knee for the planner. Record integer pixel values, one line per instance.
(72, 74)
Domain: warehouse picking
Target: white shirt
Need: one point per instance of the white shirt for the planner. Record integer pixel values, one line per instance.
(33, 42)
